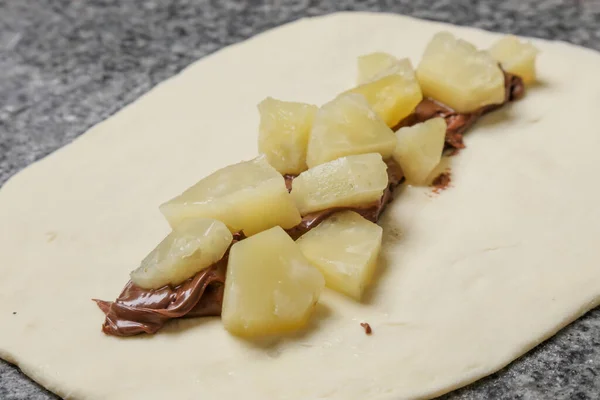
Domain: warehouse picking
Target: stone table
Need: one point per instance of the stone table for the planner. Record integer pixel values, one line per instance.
(65, 65)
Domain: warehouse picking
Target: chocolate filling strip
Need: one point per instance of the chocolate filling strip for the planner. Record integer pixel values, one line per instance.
(138, 310)
(458, 123)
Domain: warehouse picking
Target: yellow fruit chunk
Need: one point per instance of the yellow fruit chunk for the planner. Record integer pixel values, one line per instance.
(455, 73)
(394, 92)
(270, 287)
(419, 149)
(516, 57)
(347, 126)
(194, 245)
(249, 196)
(345, 248)
(283, 133)
(352, 181)
(373, 64)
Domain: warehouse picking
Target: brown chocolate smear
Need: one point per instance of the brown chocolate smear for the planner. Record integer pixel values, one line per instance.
(457, 122)
(288, 181)
(442, 181)
(138, 310)
(367, 328)
(372, 212)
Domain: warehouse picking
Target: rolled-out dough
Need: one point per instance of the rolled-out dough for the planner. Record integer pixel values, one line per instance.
(469, 279)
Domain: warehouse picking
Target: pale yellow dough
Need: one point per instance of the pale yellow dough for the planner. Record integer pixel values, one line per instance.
(482, 272)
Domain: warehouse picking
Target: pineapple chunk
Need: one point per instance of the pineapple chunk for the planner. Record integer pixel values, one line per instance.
(283, 133)
(374, 64)
(351, 181)
(393, 93)
(250, 196)
(455, 73)
(347, 126)
(195, 244)
(419, 149)
(270, 286)
(516, 57)
(345, 248)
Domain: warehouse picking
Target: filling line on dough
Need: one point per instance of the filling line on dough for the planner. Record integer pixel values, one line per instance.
(138, 310)
(458, 123)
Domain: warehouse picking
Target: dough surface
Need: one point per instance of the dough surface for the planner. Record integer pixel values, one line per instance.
(469, 279)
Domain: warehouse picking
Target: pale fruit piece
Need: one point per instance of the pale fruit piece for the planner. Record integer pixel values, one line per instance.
(347, 126)
(195, 244)
(345, 248)
(455, 73)
(250, 196)
(283, 133)
(419, 149)
(351, 181)
(270, 287)
(516, 57)
(393, 93)
(373, 64)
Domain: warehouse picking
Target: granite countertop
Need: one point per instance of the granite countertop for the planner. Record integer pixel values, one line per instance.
(66, 65)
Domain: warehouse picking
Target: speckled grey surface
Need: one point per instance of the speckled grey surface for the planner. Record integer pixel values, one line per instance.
(66, 65)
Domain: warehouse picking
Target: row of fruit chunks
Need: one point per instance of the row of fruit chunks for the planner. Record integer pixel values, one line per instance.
(338, 152)
(296, 136)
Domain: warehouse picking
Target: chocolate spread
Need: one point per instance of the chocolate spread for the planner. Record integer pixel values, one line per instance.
(138, 310)
(457, 122)
(369, 211)
(441, 182)
(367, 328)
